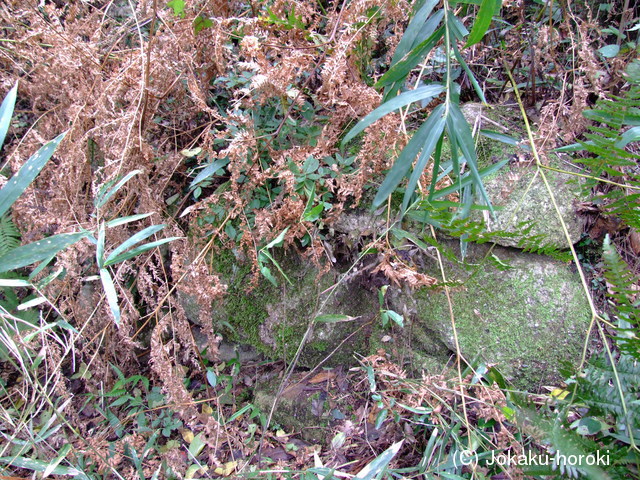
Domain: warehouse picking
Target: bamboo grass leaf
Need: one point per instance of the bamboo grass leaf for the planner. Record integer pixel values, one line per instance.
(38, 251)
(131, 218)
(374, 468)
(470, 75)
(483, 21)
(413, 30)
(137, 238)
(6, 112)
(402, 165)
(459, 128)
(137, 251)
(425, 92)
(208, 171)
(435, 127)
(110, 292)
(100, 247)
(29, 171)
(401, 69)
(102, 199)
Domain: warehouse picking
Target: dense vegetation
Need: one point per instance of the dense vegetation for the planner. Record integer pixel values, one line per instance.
(150, 148)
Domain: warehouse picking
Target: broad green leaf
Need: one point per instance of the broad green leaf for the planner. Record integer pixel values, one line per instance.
(200, 23)
(434, 128)
(413, 29)
(29, 171)
(137, 251)
(609, 51)
(177, 6)
(333, 318)
(6, 112)
(38, 251)
(131, 218)
(276, 242)
(137, 238)
(396, 317)
(401, 69)
(402, 164)
(212, 378)
(208, 171)
(102, 199)
(313, 214)
(197, 445)
(379, 464)
(482, 22)
(421, 93)
(110, 292)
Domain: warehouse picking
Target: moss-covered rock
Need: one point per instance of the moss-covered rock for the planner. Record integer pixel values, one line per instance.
(274, 319)
(529, 319)
(524, 209)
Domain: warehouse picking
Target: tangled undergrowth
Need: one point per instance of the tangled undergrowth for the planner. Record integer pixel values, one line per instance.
(234, 112)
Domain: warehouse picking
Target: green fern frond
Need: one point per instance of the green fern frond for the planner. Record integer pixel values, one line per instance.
(610, 156)
(621, 280)
(9, 235)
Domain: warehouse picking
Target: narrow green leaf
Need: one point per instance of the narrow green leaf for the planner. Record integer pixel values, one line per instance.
(380, 418)
(470, 75)
(131, 218)
(401, 69)
(402, 164)
(6, 112)
(137, 238)
(110, 292)
(13, 282)
(412, 31)
(208, 171)
(100, 246)
(425, 92)
(29, 171)
(482, 22)
(40, 466)
(102, 199)
(38, 251)
(459, 128)
(64, 451)
(137, 251)
(333, 318)
(434, 128)
(379, 464)
(501, 137)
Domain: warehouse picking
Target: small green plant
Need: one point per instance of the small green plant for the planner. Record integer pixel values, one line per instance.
(386, 315)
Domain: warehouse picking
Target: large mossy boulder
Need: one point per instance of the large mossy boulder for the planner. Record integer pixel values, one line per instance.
(527, 314)
(274, 319)
(523, 205)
